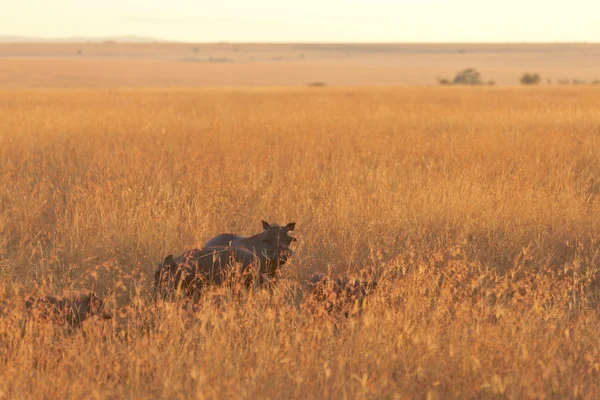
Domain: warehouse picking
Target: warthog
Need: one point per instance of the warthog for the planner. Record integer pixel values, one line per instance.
(272, 246)
(196, 268)
(72, 310)
(342, 295)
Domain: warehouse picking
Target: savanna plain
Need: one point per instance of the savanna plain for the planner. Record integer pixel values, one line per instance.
(476, 209)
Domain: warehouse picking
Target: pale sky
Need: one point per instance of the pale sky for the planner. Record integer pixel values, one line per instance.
(308, 20)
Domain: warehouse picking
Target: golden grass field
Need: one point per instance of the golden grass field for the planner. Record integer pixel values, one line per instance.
(478, 210)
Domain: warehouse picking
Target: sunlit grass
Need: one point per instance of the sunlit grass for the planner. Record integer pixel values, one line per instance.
(477, 209)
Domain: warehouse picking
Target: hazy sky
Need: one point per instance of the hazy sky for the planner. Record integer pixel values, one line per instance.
(308, 20)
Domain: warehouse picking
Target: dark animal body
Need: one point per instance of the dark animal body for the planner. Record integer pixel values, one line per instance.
(72, 310)
(342, 295)
(272, 247)
(193, 270)
(226, 258)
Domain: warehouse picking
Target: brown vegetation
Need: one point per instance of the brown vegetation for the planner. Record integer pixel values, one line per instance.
(341, 296)
(477, 209)
(69, 310)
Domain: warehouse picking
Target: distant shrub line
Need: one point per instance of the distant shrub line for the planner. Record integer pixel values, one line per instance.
(471, 76)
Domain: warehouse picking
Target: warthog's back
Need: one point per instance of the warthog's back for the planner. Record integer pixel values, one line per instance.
(225, 239)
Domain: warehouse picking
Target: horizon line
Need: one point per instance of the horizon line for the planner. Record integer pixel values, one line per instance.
(140, 39)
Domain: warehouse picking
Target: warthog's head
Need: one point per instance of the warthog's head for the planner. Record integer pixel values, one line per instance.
(163, 276)
(277, 242)
(161, 268)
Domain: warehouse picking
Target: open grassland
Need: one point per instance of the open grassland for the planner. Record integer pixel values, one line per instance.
(478, 209)
(184, 65)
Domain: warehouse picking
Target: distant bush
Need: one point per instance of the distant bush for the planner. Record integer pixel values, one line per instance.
(469, 76)
(596, 82)
(530, 79)
(578, 82)
(316, 84)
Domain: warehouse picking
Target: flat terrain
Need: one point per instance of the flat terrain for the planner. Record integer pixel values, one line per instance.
(102, 65)
(477, 209)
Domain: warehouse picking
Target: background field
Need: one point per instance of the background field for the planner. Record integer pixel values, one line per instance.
(105, 65)
(478, 209)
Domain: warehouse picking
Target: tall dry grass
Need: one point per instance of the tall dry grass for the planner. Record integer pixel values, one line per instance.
(477, 208)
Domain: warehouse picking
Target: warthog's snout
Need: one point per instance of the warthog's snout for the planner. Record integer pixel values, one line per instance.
(285, 254)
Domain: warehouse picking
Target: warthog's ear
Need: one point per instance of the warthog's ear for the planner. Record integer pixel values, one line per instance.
(290, 226)
(168, 260)
(266, 225)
